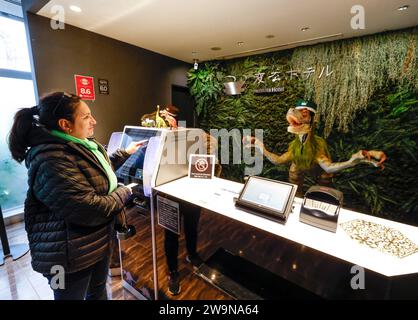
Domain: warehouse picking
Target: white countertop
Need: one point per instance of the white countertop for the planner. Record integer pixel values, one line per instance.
(217, 195)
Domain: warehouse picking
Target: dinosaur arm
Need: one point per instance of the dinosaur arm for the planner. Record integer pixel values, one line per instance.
(272, 157)
(276, 159)
(329, 167)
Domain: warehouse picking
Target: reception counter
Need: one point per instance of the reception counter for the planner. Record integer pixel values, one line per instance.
(249, 257)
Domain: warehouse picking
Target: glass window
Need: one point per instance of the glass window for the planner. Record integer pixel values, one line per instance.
(13, 46)
(14, 94)
(16, 91)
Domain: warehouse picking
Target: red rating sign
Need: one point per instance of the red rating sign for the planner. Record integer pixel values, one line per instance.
(84, 87)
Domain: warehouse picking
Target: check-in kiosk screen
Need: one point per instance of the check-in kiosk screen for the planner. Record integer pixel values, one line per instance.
(132, 169)
(269, 194)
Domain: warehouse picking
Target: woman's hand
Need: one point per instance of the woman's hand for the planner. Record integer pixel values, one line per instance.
(131, 186)
(134, 146)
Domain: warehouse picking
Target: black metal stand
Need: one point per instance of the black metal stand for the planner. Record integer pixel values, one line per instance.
(16, 251)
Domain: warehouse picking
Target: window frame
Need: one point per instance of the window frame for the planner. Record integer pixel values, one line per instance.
(10, 73)
(20, 75)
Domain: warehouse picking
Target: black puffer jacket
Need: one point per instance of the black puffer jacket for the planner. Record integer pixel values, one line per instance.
(69, 214)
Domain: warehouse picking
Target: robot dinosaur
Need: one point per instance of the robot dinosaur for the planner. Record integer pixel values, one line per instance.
(161, 119)
(309, 152)
(169, 118)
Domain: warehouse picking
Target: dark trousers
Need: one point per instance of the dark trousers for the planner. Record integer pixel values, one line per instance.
(191, 216)
(87, 284)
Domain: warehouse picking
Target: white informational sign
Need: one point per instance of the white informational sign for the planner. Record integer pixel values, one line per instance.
(201, 166)
(168, 214)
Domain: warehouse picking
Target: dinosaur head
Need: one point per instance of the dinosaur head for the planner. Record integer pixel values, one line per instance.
(300, 118)
(169, 114)
(172, 109)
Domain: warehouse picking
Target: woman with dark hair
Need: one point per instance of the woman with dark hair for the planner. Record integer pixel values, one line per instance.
(73, 197)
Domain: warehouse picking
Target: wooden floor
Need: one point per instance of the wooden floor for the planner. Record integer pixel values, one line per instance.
(19, 282)
(137, 263)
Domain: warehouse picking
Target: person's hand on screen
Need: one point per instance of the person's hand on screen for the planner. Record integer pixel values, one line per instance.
(135, 145)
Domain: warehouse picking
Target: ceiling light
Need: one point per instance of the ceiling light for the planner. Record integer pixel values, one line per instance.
(305, 29)
(215, 48)
(196, 64)
(403, 8)
(75, 8)
(240, 43)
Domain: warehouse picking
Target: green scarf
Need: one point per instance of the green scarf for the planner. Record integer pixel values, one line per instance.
(94, 148)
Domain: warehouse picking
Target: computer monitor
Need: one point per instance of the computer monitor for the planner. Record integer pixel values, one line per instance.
(162, 160)
(132, 169)
(114, 142)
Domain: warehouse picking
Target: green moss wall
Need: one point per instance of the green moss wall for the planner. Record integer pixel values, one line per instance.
(370, 101)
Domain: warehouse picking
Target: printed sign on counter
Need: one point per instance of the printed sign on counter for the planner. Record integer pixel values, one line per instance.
(84, 87)
(201, 166)
(168, 214)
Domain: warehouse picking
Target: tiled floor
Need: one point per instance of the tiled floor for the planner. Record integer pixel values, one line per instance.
(19, 282)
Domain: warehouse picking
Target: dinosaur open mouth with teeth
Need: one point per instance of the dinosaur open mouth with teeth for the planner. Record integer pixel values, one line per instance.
(299, 121)
(293, 121)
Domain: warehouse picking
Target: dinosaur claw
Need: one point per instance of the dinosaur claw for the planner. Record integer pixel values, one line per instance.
(375, 154)
(366, 154)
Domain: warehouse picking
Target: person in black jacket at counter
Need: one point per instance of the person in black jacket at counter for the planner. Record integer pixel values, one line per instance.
(73, 197)
(191, 217)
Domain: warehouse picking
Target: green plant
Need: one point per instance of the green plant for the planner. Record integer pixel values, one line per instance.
(361, 67)
(389, 124)
(388, 121)
(205, 86)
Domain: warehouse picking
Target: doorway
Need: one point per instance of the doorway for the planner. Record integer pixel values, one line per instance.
(182, 99)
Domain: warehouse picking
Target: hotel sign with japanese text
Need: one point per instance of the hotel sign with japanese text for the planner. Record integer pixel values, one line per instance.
(269, 82)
